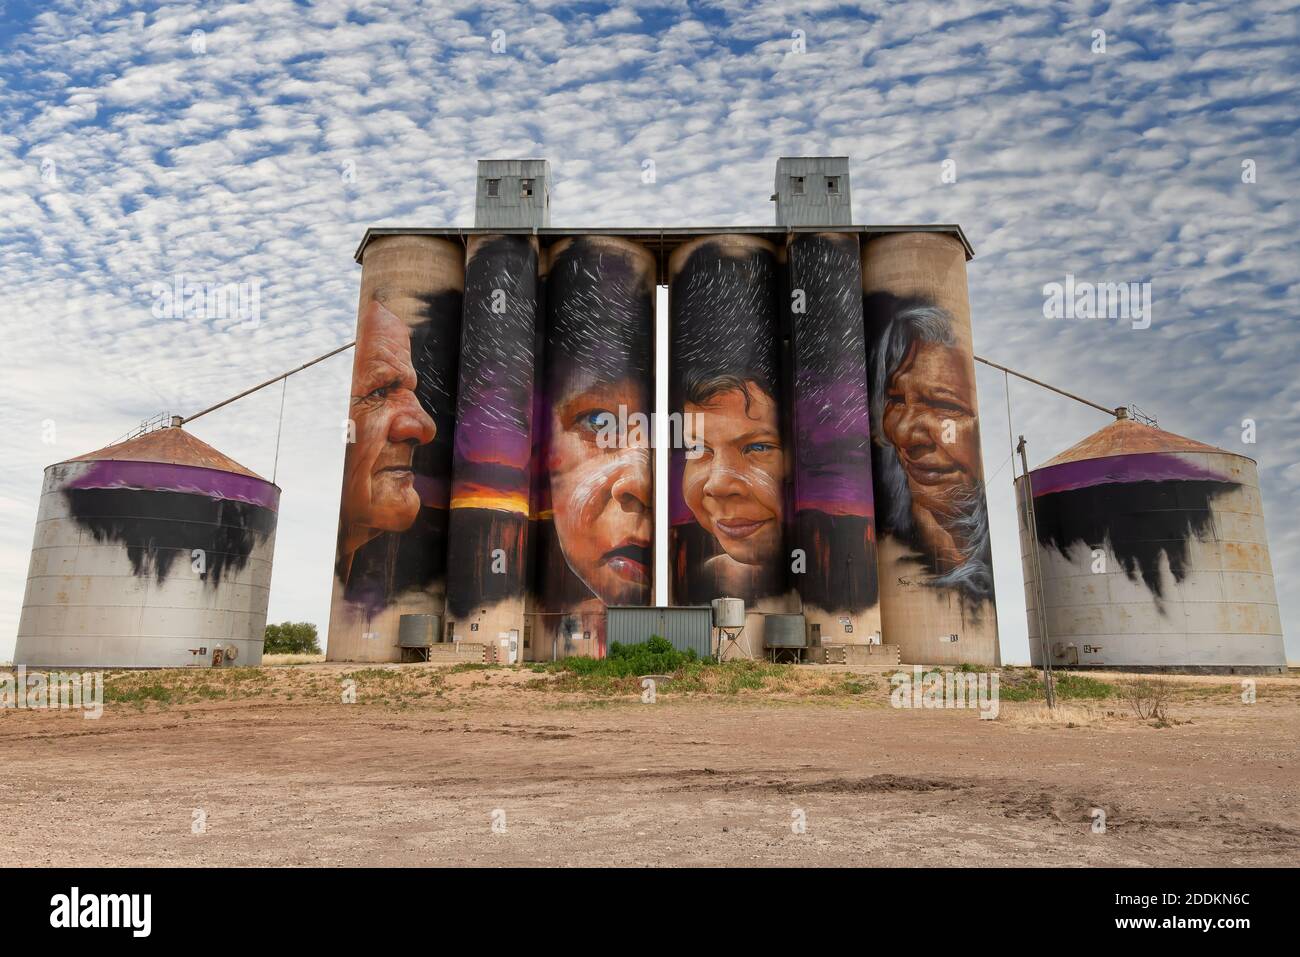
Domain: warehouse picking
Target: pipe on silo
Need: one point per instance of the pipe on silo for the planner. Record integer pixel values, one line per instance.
(936, 574)
(391, 554)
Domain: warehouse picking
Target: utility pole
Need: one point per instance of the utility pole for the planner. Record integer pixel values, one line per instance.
(1031, 523)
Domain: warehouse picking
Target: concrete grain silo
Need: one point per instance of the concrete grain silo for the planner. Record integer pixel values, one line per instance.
(151, 553)
(1153, 556)
(391, 554)
(936, 562)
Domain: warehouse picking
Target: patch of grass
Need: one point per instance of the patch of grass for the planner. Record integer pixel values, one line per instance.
(1026, 684)
(375, 674)
(275, 661)
(138, 694)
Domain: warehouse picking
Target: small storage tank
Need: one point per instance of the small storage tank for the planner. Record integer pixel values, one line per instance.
(728, 613)
(151, 553)
(419, 631)
(785, 631)
(1153, 555)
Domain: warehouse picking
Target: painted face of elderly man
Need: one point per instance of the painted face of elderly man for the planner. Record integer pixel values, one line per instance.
(378, 484)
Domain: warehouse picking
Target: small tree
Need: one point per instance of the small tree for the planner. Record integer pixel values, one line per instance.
(291, 638)
(1148, 697)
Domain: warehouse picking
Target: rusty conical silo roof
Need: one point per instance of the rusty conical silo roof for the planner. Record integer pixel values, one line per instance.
(1128, 437)
(169, 446)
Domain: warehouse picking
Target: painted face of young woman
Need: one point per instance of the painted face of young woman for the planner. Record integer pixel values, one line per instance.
(733, 476)
(930, 420)
(602, 490)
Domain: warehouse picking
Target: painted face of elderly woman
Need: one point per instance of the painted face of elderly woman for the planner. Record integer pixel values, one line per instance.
(929, 418)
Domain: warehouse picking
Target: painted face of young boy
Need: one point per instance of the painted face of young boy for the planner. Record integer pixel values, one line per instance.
(733, 474)
(602, 489)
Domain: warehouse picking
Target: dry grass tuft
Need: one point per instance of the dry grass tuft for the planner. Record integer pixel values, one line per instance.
(272, 661)
(1064, 716)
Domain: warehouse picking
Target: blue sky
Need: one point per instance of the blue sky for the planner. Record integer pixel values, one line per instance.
(133, 149)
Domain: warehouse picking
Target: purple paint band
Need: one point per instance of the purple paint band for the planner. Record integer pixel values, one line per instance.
(190, 479)
(1139, 467)
(434, 491)
(494, 444)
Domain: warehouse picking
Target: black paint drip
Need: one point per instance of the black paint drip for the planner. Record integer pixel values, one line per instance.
(157, 527)
(1140, 520)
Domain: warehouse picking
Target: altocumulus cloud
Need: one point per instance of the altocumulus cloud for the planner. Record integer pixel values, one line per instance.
(239, 142)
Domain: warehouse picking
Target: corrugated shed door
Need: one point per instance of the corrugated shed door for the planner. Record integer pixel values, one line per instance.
(687, 627)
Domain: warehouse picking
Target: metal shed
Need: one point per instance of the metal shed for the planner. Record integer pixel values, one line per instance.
(689, 626)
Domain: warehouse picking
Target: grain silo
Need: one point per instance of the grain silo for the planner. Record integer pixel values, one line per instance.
(936, 562)
(391, 557)
(1153, 556)
(151, 553)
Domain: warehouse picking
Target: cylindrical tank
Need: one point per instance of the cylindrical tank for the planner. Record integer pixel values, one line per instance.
(785, 631)
(152, 553)
(418, 631)
(936, 569)
(728, 613)
(1153, 556)
(831, 515)
(728, 464)
(393, 512)
(487, 564)
(593, 472)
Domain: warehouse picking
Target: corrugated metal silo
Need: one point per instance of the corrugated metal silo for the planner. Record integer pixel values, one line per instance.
(1153, 555)
(152, 553)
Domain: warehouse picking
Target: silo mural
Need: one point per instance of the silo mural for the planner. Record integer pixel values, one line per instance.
(831, 507)
(491, 464)
(152, 553)
(936, 574)
(727, 482)
(393, 515)
(1153, 554)
(595, 502)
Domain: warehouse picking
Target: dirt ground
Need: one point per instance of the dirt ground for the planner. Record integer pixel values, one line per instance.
(492, 769)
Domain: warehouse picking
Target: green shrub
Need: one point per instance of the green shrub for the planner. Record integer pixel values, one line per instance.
(656, 656)
(291, 638)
